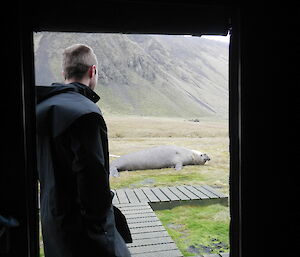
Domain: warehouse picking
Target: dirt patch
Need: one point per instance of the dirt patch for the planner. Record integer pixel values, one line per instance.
(214, 247)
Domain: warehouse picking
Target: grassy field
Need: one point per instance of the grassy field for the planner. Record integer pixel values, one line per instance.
(129, 134)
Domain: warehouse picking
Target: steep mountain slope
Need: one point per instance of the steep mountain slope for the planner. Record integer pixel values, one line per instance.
(152, 75)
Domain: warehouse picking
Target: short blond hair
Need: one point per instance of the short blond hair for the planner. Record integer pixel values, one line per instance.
(77, 59)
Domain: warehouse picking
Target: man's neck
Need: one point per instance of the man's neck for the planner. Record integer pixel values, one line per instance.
(84, 81)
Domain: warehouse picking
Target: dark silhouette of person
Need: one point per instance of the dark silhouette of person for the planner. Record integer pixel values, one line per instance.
(77, 215)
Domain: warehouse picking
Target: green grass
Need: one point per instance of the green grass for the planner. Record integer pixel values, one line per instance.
(198, 229)
(163, 177)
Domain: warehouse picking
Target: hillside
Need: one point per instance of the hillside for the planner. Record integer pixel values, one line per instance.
(149, 75)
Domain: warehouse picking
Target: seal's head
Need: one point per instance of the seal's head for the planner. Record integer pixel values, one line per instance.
(200, 158)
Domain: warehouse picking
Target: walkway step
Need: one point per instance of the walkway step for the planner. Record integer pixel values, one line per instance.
(150, 238)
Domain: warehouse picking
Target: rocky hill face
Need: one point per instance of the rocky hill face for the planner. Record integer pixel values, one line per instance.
(150, 75)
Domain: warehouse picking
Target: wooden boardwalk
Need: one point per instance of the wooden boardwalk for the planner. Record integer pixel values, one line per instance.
(165, 194)
(150, 239)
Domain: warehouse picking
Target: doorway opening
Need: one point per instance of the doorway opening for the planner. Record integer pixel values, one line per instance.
(159, 90)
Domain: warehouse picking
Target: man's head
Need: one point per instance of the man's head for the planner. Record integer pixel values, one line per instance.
(80, 65)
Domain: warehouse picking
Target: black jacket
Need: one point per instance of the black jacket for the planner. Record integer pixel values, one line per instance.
(77, 216)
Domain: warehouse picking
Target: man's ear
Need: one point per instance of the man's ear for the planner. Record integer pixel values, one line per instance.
(92, 71)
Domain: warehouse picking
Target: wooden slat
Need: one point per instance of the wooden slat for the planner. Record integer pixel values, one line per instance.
(144, 224)
(142, 219)
(150, 235)
(131, 196)
(168, 253)
(160, 195)
(115, 201)
(137, 211)
(141, 195)
(147, 229)
(122, 196)
(150, 195)
(139, 215)
(214, 191)
(211, 195)
(123, 205)
(169, 194)
(205, 191)
(141, 207)
(153, 248)
(197, 192)
(187, 193)
(151, 241)
(179, 194)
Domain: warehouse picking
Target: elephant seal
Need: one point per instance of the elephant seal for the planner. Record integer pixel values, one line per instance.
(157, 158)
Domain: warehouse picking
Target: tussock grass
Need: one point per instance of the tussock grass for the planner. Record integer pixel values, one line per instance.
(157, 127)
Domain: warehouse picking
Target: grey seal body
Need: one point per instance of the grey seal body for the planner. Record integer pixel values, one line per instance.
(157, 158)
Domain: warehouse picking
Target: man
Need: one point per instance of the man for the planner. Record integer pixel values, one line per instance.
(77, 215)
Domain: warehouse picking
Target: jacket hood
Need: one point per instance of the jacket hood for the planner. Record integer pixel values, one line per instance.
(45, 92)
